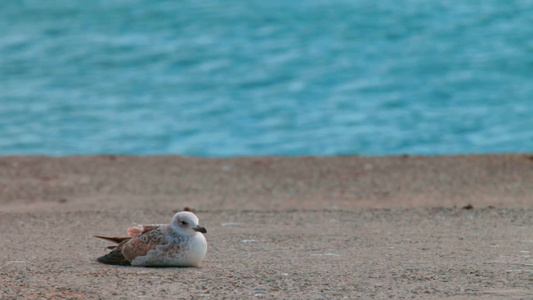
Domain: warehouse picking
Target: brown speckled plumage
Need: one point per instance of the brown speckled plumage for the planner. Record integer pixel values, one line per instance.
(180, 244)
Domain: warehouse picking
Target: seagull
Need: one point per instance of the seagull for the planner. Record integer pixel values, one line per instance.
(178, 244)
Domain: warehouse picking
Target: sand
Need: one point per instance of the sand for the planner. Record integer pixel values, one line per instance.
(278, 227)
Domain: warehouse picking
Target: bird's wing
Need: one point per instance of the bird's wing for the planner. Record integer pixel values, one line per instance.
(132, 231)
(141, 243)
(135, 231)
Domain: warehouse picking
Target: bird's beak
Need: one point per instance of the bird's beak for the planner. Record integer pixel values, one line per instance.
(200, 229)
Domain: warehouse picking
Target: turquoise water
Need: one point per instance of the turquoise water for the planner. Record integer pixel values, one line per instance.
(228, 78)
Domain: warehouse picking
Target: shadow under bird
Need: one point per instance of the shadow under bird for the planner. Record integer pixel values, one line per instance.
(178, 244)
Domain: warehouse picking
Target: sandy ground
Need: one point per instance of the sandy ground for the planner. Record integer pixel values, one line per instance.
(278, 227)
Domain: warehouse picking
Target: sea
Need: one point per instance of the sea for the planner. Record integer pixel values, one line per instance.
(229, 78)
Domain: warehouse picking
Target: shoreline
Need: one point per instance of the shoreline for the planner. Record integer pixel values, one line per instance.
(274, 182)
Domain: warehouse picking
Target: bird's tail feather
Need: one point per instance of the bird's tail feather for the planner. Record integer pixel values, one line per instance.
(114, 258)
(114, 239)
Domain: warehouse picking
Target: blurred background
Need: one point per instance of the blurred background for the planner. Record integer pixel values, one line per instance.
(239, 78)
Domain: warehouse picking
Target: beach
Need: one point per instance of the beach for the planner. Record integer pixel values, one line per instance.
(458, 227)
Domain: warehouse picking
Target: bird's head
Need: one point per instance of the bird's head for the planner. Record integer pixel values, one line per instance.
(186, 223)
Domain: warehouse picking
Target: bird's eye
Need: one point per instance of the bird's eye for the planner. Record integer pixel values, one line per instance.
(183, 223)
